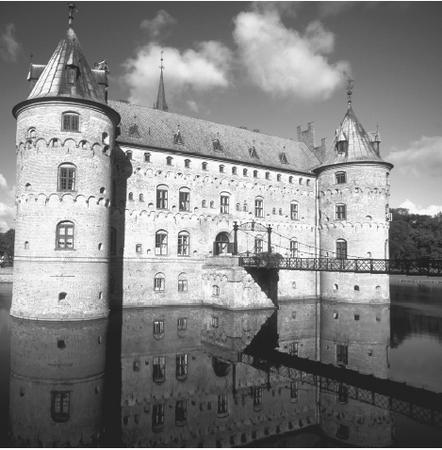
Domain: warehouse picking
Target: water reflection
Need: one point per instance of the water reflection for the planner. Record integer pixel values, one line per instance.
(195, 376)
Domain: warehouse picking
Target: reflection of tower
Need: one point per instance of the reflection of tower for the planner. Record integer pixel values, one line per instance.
(353, 185)
(56, 389)
(65, 136)
(355, 336)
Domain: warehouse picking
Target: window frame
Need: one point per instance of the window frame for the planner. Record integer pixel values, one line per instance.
(60, 406)
(294, 210)
(341, 177)
(183, 244)
(340, 211)
(65, 236)
(259, 207)
(224, 203)
(70, 115)
(161, 247)
(184, 204)
(162, 197)
(161, 285)
(66, 178)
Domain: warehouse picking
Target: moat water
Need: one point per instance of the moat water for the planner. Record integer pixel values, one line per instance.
(200, 376)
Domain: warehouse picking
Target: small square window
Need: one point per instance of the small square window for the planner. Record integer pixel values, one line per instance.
(182, 324)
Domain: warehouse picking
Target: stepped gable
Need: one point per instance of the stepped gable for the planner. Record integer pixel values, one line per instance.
(152, 128)
(67, 73)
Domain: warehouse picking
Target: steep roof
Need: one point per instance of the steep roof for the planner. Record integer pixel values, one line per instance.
(67, 73)
(161, 96)
(149, 127)
(360, 145)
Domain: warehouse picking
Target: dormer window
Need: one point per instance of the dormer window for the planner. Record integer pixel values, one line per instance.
(70, 121)
(283, 158)
(178, 138)
(342, 147)
(253, 153)
(73, 72)
(217, 145)
(133, 130)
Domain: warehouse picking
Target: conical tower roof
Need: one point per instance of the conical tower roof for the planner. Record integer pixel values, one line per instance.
(67, 73)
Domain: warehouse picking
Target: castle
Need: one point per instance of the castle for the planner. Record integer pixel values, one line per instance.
(120, 205)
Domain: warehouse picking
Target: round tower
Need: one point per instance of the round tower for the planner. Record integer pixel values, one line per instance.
(353, 189)
(65, 137)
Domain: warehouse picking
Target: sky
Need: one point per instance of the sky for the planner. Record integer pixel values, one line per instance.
(265, 65)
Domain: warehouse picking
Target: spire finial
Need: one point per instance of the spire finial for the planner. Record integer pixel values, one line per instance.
(161, 96)
(72, 8)
(162, 59)
(350, 85)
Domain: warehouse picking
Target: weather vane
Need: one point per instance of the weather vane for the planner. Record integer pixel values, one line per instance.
(72, 8)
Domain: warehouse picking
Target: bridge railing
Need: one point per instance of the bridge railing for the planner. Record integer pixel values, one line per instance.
(385, 266)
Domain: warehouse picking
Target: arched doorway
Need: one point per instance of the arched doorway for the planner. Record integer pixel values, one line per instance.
(221, 246)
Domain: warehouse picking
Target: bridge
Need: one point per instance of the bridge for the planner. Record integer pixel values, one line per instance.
(310, 258)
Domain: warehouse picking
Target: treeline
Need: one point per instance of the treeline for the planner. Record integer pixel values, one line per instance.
(415, 237)
(7, 243)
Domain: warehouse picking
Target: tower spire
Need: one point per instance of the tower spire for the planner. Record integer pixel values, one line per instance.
(72, 8)
(161, 96)
(350, 85)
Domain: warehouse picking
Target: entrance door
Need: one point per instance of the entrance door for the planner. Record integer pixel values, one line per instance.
(221, 244)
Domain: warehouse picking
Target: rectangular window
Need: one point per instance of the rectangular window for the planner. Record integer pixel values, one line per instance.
(159, 284)
(343, 393)
(180, 412)
(222, 404)
(341, 178)
(293, 391)
(159, 369)
(341, 212)
(139, 248)
(162, 199)
(160, 244)
(65, 235)
(70, 122)
(181, 324)
(60, 405)
(294, 348)
(181, 366)
(184, 201)
(158, 328)
(215, 322)
(294, 211)
(66, 179)
(183, 244)
(341, 249)
(293, 249)
(158, 415)
(224, 204)
(259, 207)
(342, 354)
(182, 285)
(257, 396)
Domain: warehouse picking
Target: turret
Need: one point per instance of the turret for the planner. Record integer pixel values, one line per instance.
(353, 191)
(65, 138)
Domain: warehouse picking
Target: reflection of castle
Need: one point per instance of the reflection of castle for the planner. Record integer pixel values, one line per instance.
(132, 204)
(56, 383)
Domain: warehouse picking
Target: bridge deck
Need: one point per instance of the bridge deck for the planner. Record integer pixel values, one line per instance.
(383, 266)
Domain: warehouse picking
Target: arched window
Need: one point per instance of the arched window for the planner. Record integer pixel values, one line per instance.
(162, 197)
(308, 182)
(187, 163)
(67, 177)
(204, 204)
(183, 243)
(259, 244)
(267, 175)
(159, 375)
(341, 211)
(244, 172)
(70, 121)
(341, 249)
(32, 133)
(182, 365)
(129, 154)
(161, 243)
(221, 244)
(184, 199)
(180, 412)
(259, 207)
(215, 290)
(60, 405)
(244, 207)
(255, 174)
(300, 180)
(64, 236)
(290, 179)
(105, 138)
(278, 177)
(224, 203)
(141, 198)
(169, 160)
(341, 177)
(234, 170)
(294, 210)
(159, 282)
(221, 168)
(182, 283)
(131, 196)
(146, 157)
(280, 211)
(238, 207)
(204, 166)
(293, 248)
(212, 204)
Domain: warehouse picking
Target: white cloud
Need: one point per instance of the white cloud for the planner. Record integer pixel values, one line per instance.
(193, 106)
(158, 27)
(282, 61)
(204, 67)
(7, 208)
(422, 158)
(430, 210)
(9, 46)
(327, 9)
(3, 182)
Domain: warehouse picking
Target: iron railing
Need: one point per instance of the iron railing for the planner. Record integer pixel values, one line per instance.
(432, 267)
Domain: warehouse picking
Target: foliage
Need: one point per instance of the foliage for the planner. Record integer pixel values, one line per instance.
(413, 236)
(7, 243)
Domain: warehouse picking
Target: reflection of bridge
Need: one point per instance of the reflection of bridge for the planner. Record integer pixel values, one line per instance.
(419, 404)
(268, 258)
